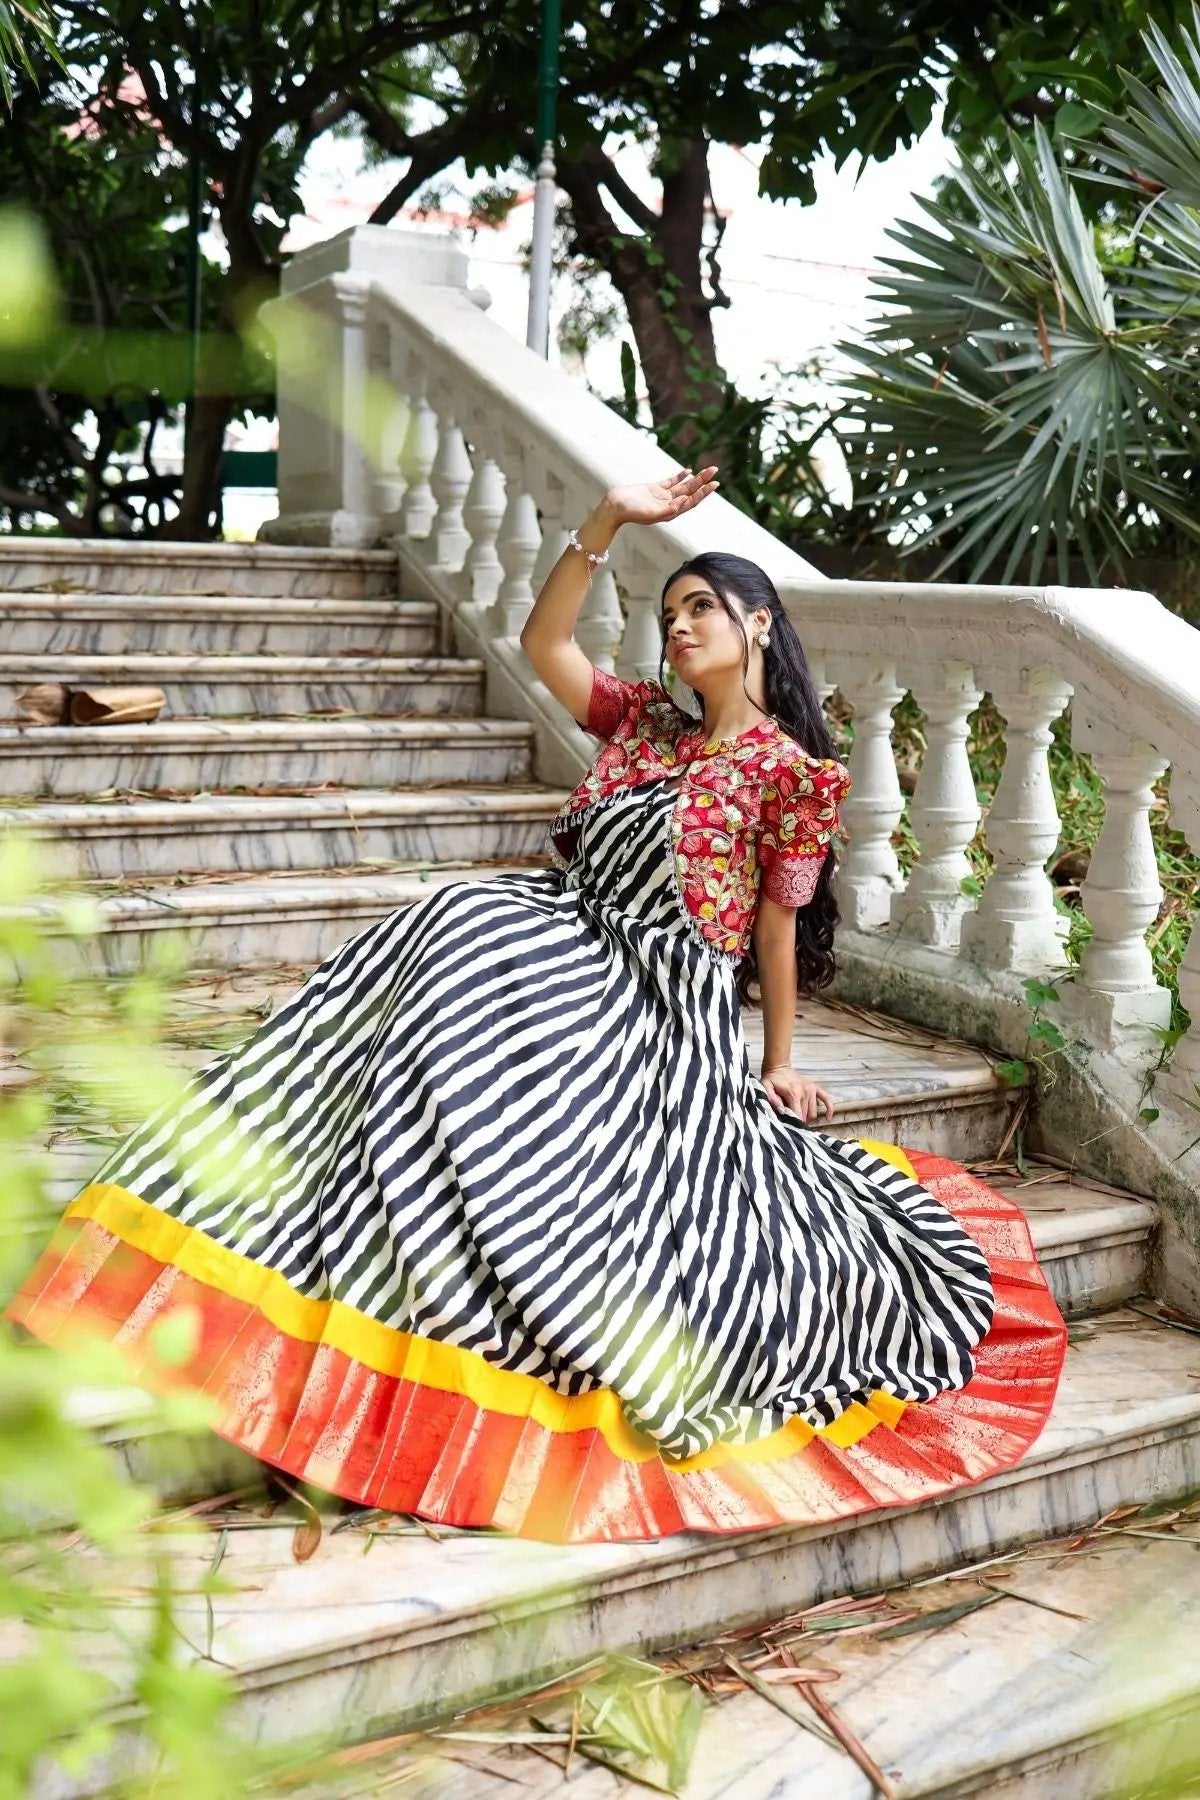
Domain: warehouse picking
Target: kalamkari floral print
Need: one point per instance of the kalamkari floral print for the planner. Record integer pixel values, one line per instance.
(755, 813)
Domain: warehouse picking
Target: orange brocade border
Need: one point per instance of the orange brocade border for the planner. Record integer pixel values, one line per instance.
(396, 1421)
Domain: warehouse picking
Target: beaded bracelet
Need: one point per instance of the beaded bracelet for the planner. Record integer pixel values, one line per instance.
(593, 558)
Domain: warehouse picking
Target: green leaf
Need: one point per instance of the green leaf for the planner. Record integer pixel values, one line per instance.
(1015, 1072)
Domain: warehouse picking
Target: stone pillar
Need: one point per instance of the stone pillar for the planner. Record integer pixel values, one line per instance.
(334, 382)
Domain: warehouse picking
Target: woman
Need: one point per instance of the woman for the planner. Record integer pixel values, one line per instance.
(492, 1223)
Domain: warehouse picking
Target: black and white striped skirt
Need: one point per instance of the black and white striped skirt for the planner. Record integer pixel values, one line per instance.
(493, 1222)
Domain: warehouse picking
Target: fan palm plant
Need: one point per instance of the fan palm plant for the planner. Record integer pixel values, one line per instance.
(1028, 392)
(22, 27)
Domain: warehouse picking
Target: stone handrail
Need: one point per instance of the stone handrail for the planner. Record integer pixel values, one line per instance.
(494, 454)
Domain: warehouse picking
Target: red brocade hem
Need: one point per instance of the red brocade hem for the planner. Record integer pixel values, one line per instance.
(387, 1419)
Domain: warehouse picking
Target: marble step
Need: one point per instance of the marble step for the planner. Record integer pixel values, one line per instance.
(110, 624)
(1080, 1682)
(222, 687)
(109, 840)
(149, 566)
(184, 755)
(358, 1647)
(252, 922)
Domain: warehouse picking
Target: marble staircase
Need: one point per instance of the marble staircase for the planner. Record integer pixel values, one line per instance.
(349, 1647)
(323, 757)
(319, 760)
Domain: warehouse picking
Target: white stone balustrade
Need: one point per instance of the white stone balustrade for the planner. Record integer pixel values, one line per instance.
(502, 453)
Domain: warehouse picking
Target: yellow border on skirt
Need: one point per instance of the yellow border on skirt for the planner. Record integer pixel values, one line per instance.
(404, 1356)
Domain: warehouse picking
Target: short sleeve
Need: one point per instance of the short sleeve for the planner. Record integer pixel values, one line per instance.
(610, 700)
(799, 818)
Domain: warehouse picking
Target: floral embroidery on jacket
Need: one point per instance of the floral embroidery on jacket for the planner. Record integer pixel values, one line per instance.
(754, 815)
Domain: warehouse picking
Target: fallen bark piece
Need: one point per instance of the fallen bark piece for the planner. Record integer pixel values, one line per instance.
(115, 705)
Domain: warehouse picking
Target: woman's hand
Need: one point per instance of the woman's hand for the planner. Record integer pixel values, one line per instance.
(652, 502)
(786, 1088)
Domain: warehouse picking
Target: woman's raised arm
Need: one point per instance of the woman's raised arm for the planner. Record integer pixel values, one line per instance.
(547, 636)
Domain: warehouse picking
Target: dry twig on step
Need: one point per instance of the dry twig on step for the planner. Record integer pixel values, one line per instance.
(766, 1692)
(846, 1738)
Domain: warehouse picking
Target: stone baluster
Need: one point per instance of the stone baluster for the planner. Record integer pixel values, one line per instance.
(518, 544)
(450, 479)
(483, 514)
(817, 661)
(554, 535)
(945, 811)
(1116, 991)
(601, 625)
(869, 874)
(639, 650)
(1184, 1077)
(1015, 926)
(416, 463)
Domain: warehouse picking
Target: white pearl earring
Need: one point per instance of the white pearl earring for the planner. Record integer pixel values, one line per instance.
(763, 638)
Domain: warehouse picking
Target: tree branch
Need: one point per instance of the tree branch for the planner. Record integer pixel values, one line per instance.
(428, 153)
(17, 500)
(603, 172)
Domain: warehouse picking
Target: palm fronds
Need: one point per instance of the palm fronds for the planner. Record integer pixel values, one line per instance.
(1021, 399)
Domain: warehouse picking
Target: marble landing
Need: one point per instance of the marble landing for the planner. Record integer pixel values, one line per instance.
(182, 756)
(112, 566)
(357, 1646)
(239, 686)
(259, 833)
(106, 625)
(1081, 1682)
(916, 1087)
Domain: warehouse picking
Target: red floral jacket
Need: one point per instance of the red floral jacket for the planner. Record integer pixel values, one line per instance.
(755, 810)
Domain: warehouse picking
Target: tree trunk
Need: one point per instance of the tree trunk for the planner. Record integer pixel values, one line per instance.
(659, 275)
(200, 501)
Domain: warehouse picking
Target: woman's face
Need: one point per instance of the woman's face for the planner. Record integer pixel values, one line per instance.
(702, 641)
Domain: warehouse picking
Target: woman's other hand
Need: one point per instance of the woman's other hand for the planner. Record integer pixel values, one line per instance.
(653, 502)
(785, 1087)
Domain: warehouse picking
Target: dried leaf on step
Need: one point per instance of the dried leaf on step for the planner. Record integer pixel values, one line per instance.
(306, 1539)
(798, 1674)
(852, 1745)
(935, 1621)
(114, 705)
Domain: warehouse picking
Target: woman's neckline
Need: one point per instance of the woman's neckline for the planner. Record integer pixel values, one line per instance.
(713, 744)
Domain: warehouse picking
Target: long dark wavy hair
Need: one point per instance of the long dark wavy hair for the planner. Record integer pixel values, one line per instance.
(792, 699)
